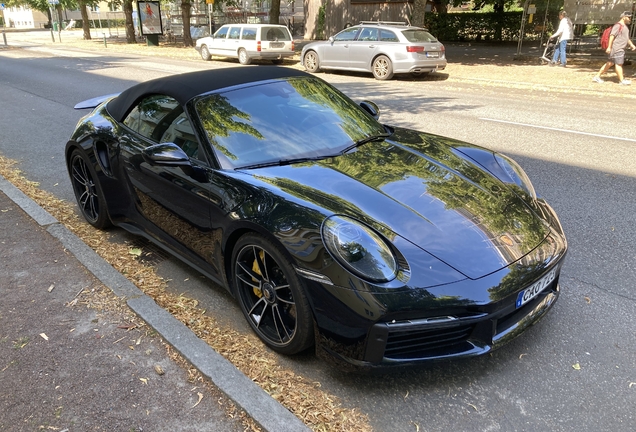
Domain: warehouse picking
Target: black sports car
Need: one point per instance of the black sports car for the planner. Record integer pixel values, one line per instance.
(379, 245)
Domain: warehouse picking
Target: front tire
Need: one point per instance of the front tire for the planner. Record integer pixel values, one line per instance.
(311, 62)
(271, 295)
(88, 191)
(205, 53)
(243, 57)
(382, 68)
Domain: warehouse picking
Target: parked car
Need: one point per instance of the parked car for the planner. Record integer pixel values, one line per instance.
(382, 48)
(380, 245)
(247, 42)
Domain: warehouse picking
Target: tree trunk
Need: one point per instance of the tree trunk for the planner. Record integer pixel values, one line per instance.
(274, 12)
(419, 11)
(185, 17)
(85, 23)
(130, 24)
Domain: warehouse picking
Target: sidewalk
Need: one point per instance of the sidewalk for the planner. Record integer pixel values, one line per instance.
(69, 363)
(488, 64)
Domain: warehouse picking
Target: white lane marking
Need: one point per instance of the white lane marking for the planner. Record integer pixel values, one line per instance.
(560, 130)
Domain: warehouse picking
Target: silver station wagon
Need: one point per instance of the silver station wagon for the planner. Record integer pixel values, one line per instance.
(382, 48)
(247, 42)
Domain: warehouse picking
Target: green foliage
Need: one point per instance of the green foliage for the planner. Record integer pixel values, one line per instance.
(464, 27)
(320, 28)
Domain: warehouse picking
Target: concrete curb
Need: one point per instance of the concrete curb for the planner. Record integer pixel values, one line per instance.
(262, 408)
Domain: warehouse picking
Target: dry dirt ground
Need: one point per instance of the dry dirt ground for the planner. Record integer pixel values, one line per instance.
(486, 64)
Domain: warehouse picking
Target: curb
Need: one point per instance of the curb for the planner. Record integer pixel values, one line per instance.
(268, 413)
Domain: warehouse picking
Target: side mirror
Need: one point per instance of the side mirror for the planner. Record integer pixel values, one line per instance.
(331, 39)
(166, 154)
(371, 108)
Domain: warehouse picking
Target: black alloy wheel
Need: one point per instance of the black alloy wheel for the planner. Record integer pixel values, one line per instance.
(271, 295)
(88, 192)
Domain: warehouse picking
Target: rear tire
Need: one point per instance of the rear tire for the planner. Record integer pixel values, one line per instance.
(271, 295)
(243, 58)
(382, 68)
(311, 62)
(88, 191)
(205, 53)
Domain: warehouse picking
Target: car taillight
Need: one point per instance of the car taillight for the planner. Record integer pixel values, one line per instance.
(292, 45)
(415, 49)
(258, 46)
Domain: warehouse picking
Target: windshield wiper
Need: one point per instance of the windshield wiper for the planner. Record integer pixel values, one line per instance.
(282, 162)
(372, 138)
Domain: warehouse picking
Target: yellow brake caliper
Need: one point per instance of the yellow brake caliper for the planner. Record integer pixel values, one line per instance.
(256, 269)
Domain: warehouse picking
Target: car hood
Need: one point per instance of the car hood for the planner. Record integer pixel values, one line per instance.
(426, 191)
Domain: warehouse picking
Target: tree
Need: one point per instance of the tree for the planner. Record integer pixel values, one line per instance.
(130, 25)
(274, 12)
(185, 17)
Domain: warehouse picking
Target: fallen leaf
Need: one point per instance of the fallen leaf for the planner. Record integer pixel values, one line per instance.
(632, 384)
(159, 370)
(588, 300)
(144, 380)
(44, 336)
(576, 366)
(51, 288)
(406, 395)
(134, 251)
(521, 355)
(474, 407)
(200, 398)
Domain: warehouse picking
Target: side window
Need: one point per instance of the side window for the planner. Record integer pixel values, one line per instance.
(235, 33)
(161, 119)
(388, 36)
(181, 133)
(347, 34)
(368, 34)
(249, 33)
(221, 33)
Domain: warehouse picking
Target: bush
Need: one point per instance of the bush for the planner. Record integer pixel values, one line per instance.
(491, 26)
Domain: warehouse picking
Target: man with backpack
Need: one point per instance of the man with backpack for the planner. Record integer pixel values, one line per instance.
(618, 41)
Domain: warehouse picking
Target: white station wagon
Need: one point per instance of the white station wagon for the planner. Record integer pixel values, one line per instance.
(247, 42)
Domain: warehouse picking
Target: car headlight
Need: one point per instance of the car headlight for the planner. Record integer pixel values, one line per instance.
(359, 249)
(516, 174)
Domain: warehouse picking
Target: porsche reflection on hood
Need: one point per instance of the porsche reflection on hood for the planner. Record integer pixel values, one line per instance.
(376, 244)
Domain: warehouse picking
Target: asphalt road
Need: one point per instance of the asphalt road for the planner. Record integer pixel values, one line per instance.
(575, 370)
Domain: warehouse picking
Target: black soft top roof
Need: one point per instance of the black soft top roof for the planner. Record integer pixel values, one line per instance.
(184, 87)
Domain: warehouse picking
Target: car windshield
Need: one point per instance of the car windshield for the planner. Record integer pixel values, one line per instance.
(283, 120)
(418, 35)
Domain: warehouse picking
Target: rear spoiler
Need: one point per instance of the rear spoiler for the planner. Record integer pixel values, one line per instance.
(94, 102)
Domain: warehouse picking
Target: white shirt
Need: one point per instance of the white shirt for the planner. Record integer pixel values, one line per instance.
(565, 29)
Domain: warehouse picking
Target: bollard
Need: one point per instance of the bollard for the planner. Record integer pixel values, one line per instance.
(105, 44)
(4, 36)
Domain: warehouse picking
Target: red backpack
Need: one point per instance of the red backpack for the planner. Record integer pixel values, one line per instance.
(606, 35)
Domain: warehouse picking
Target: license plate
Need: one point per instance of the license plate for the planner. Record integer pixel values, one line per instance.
(432, 54)
(529, 293)
(276, 44)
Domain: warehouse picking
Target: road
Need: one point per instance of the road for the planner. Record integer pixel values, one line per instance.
(575, 370)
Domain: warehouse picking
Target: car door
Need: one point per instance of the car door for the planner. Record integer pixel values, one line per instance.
(363, 49)
(218, 45)
(173, 203)
(336, 53)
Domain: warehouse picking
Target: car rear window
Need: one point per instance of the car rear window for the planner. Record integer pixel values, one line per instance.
(418, 36)
(275, 34)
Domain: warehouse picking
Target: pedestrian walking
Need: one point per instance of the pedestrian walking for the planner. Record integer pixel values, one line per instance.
(618, 41)
(564, 33)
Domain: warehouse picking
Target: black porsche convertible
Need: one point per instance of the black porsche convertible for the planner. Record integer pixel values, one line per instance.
(376, 244)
